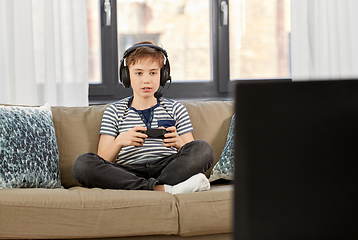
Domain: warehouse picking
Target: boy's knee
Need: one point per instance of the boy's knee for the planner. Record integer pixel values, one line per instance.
(81, 164)
(204, 146)
(201, 144)
(80, 161)
(206, 150)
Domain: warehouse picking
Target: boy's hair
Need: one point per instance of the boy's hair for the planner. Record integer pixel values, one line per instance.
(144, 52)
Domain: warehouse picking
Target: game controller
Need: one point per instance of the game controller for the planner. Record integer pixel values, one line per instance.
(155, 133)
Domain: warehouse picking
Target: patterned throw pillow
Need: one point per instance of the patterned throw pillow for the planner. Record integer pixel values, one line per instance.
(29, 155)
(224, 168)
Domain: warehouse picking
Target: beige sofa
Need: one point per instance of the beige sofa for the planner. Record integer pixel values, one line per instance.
(77, 212)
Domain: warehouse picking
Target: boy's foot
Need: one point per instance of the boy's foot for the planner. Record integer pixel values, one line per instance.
(196, 183)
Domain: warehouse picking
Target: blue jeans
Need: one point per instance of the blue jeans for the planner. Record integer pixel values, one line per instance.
(91, 170)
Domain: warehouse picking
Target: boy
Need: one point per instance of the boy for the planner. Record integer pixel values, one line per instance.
(127, 158)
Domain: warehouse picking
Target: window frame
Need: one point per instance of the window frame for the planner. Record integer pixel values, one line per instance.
(220, 87)
(111, 90)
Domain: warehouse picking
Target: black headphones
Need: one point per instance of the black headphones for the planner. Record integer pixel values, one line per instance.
(124, 72)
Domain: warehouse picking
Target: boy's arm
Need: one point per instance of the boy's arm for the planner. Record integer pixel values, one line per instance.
(109, 146)
(187, 137)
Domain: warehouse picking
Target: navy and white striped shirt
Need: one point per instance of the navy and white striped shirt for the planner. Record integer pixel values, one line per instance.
(120, 117)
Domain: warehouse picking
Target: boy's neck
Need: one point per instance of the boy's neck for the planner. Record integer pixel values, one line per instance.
(145, 103)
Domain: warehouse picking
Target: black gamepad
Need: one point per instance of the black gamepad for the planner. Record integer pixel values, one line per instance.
(155, 133)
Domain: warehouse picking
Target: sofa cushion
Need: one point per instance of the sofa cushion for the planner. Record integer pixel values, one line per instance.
(77, 132)
(85, 213)
(224, 168)
(211, 122)
(28, 149)
(208, 212)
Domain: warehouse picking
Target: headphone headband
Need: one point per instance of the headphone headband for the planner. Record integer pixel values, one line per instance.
(133, 48)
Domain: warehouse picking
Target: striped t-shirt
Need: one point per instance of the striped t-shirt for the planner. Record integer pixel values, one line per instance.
(120, 117)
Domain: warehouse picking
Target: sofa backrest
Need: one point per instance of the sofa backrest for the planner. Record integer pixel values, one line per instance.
(77, 130)
(211, 122)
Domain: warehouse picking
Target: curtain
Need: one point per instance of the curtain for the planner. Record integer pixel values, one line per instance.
(44, 56)
(324, 39)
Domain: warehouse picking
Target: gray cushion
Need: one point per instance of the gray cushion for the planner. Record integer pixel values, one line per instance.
(28, 148)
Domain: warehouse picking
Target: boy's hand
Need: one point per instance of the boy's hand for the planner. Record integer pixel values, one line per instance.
(132, 137)
(172, 139)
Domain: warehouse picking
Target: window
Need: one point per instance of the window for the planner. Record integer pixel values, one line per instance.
(182, 27)
(210, 43)
(259, 39)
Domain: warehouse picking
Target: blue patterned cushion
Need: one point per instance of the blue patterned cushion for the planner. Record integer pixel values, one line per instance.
(224, 168)
(28, 149)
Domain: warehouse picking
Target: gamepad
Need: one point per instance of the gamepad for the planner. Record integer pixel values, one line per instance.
(155, 133)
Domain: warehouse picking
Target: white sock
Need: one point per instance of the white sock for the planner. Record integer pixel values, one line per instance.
(196, 183)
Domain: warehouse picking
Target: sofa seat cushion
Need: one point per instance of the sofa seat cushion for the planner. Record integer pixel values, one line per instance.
(209, 212)
(86, 213)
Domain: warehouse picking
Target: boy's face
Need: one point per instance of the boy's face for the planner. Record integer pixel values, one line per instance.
(145, 77)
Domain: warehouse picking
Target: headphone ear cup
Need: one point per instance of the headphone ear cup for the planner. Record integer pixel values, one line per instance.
(124, 75)
(165, 74)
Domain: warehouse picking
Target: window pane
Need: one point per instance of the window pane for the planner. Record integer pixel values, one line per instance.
(182, 27)
(259, 39)
(94, 41)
